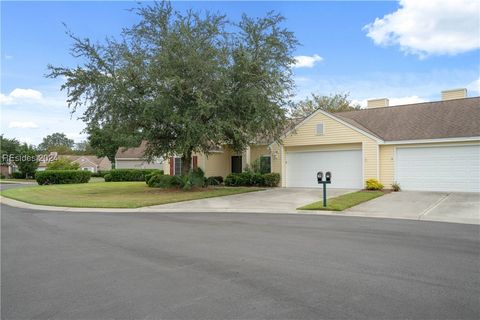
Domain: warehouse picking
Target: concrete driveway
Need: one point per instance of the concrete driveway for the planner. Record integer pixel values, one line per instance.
(434, 206)
(271, 200)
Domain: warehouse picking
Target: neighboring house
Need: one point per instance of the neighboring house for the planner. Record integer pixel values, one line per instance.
(134, 158)
(432, 146)
(87, 162)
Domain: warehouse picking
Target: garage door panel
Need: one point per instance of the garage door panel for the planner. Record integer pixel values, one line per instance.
(453, 168)
(346, 168)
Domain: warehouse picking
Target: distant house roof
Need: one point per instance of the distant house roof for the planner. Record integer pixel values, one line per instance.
(132, 153)
(74, 158)
(430, 120)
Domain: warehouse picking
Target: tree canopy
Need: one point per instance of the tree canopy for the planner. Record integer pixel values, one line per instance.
(186, 81)
(57, 142)
(338, 102)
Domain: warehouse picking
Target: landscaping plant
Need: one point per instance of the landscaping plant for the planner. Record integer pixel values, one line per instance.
(373, 184)
(396, 186)
(62, 176)
(117, 175)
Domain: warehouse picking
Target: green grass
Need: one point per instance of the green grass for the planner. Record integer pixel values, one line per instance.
(344, 201)
(112, 194)
(16, 180)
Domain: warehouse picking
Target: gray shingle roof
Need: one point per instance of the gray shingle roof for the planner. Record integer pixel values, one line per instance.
(430, 120)
(132, 153)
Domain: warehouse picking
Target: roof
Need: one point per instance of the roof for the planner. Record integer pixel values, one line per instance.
(92, 159)
(430, 120)
(132, 153)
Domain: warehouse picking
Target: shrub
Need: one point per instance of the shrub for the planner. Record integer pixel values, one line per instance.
(18, 175)
(214, 181)
(271, 179)
(165, 181)
(100, 173)
(107, 177)
(396, 186)
(151, 174)
(62, 164)
(2, 176)
(373, 184)
(129, 174)
(248, 178)
(62, 176)
(196, 178)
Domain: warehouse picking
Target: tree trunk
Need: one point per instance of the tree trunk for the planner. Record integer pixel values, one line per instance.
(186, 163)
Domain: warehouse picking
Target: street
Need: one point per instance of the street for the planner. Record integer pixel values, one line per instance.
(72, 265)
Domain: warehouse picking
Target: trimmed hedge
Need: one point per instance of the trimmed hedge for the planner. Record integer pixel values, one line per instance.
(62, 176)
(100, 173)
(248, 178)
(116, 175)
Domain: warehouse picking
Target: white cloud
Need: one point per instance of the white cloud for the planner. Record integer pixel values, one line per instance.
(474, 86)
(306, 61)
(23, 124)
(20, 95)
(430, 27)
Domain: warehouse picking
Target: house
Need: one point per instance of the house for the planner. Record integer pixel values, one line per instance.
(431, 146)
(86, 162)
(134, 158)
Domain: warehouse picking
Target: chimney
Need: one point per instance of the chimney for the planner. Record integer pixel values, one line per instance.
(377, 103)
(454, 94)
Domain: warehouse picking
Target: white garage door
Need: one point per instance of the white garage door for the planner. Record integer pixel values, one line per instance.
(345, 166)
(439, 168)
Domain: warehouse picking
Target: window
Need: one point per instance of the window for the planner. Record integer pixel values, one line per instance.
(178, 166)
(265, 164)
(319, 129)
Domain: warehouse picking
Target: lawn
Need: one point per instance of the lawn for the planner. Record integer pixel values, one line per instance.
(344, 201)
(113, 194)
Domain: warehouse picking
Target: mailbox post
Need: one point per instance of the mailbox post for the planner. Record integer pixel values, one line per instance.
(328, 180)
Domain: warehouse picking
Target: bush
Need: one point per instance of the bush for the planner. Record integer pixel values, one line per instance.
(129, 174)
(373, 184)
(271, 179)
(18, 175)
(2, 176)
(165, 182)
(62, 164)
(214, 181)
(62, 176)
(396, 186)
(151, 174)
(248, 178)
(100, 173)
(195, 178)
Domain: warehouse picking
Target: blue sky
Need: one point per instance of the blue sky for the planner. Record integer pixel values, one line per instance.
(405, 51)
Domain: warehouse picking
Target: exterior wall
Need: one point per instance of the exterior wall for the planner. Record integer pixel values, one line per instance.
(387, 157)
(137, 164)
(337, 136)
(217, 164)
(387, 165)
(256, 151)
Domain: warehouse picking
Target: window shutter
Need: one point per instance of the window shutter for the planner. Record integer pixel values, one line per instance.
(194, 162)
(172, 165)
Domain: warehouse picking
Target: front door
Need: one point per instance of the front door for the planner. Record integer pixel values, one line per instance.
(236, 164)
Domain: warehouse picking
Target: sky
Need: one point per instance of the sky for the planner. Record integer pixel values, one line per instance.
(407, 51)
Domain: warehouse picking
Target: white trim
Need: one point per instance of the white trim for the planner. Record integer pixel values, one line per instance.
(363, 164)
(432, 140)
(331, 150)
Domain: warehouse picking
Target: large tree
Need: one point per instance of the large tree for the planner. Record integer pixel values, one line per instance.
(338, 102)
(186, 81)
(57, 142)
(26, 160)
(8, 148)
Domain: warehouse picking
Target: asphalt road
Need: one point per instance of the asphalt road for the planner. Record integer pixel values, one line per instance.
(224, 266)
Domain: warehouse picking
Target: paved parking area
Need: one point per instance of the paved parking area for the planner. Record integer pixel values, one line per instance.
(272, 200)
(434, 206)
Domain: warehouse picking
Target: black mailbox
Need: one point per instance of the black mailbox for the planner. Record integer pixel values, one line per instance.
(319, 176)
(328, 176)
